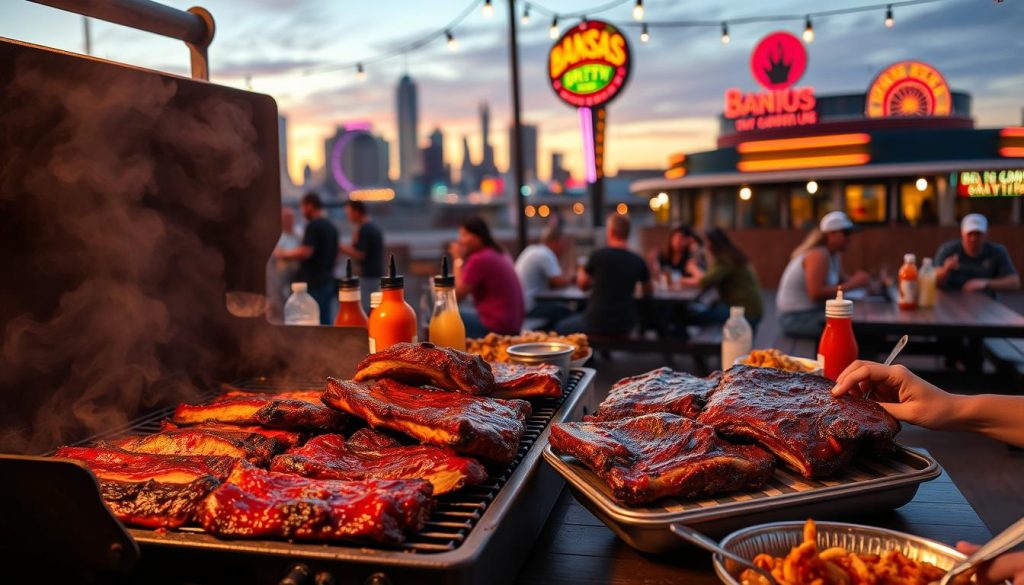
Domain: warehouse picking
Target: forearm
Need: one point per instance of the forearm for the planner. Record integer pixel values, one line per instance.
(1008, 282)
(996, 416)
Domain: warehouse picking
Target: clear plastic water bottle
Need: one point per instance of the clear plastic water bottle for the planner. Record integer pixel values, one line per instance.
(737, 337)
(301, 308)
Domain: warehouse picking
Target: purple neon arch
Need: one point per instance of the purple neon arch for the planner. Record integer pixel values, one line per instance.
(351, 131)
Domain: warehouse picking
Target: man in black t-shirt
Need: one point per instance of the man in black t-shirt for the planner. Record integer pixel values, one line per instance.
(974, 264)
(316, 256)
(367, 247)
(612, 273)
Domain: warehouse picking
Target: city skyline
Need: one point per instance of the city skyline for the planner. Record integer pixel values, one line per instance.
(670, 105)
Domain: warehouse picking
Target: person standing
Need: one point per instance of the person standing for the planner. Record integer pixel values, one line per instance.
(486, 273)
(973, 263)
(539, 270)
(280, 272)
(366, 249)
(814, 274)
(612, 273)
(316, 255)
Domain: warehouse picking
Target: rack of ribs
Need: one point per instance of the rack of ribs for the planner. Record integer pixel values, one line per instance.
(288, 439)
(653, 456)
(262, 410)
(155, 491)
(369, 454)
(470, 425)
(426, 363)
(526, 381)
(795, 416)
(254, 503)
(253, 447)
(660, 390)
(312, 396)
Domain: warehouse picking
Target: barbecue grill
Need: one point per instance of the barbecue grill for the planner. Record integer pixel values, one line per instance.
(137, 211)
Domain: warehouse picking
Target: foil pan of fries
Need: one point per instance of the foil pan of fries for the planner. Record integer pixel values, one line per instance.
(783, 549)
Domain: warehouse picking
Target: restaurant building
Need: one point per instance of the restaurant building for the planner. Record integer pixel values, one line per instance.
(903, 153)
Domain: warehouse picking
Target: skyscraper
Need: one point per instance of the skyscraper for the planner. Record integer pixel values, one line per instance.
(408, 133)
(529, 150)
(487, 167)
(558, 173)
(468, 180)
(434, 170)
(355, 159)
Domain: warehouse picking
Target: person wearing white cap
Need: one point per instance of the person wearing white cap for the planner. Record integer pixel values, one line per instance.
(972, 263)
(813, 275)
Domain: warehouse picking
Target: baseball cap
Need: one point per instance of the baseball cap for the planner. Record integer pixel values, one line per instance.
(973, 222)
(835, 221)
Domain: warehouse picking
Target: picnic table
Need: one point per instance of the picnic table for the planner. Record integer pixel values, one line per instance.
(955, 314)
(661, 294)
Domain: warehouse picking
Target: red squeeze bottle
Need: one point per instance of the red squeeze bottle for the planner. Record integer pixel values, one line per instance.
(838, 347)
(350, 309)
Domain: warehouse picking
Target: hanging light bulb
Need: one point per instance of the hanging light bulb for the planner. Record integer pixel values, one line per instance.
(808, 31)
(888, 17)
(553, 31)
(725, 34)
(638, 10)
(452, 43)
(526, 14)
(488, 9)
(360, 72)
(644, 35)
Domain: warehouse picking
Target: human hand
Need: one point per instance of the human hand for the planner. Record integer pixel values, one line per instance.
(454, 250)
(860, 279)
(904, 395)
(951, 263)
(976, 285)
(1007, 567)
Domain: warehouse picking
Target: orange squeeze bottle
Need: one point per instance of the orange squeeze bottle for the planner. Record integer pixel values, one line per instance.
(446, 327)
(350, 309)
(393, 321)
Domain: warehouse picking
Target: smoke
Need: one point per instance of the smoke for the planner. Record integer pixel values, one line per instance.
(109, 182)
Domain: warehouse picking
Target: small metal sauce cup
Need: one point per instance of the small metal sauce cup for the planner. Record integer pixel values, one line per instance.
(555, 353)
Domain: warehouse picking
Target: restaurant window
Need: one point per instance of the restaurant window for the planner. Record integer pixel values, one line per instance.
(919, 206)
(806, 209)
(763, 209)
(723, 208)
(865, 203)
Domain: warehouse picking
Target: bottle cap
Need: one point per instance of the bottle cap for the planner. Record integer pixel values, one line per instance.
(926, 262)
(375, 299)
(909, 259)
(349, 282)
(393, 280)
(445, 279)
(736, 311)
(299, 287)
(839, 307)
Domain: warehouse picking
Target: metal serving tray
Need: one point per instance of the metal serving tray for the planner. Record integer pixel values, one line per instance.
(868, 483)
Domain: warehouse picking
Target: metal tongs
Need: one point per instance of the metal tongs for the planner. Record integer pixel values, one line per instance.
(1002, 542)
(694, 537)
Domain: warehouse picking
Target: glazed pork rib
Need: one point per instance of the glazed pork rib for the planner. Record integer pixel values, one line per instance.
(653, 456)
(526, 381)
(660, 390)
(470, 425)
(288, 439)
(369, 454)
(267, 411)
(254, 503)
(426, 363)
(795, 416)
(253, 447)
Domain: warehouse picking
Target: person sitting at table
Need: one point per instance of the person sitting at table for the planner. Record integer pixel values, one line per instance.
(910, 399)
(732, 276)
(539, 270)
(485, 272)
(813, 275)
(973, 263)
(681, 256)
(612, 273)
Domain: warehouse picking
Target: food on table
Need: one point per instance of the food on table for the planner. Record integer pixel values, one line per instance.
(472, 425)
(262, 410)
(155, 491)
(653, 456)
(426, 363)
(660, 390)
(286, 438)
(773, 358)
(312, 396)
(806, 565)
(526, 381)
(493, 347)
(252, 447)
(796, 417)
(369, 454)
(254, 503)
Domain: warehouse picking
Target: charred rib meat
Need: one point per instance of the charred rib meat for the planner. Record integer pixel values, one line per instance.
(795, 416)
(264, 411)
(426, 363)
(288, 439)
(471, 425)
(253, 447)
(526, 381)
(649, 457)
(254, 503)
(369, 454)
(660, 390)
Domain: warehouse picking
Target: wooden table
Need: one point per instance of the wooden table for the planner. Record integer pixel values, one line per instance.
(660, 295)
(955, 314)
(576, 547)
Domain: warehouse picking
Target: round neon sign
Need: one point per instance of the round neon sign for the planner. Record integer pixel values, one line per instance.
(589, 65)
(778, 61)
(909, 89)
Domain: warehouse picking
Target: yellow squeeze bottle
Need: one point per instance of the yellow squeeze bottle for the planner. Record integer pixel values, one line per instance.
(446, 327)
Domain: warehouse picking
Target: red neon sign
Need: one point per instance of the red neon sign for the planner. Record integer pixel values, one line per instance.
(777, 63)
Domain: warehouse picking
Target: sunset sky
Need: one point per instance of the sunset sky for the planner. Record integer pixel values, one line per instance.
(670, 105)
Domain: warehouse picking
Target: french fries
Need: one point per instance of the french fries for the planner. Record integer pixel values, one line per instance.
(805, 565)
(493, 347)
(773, 358)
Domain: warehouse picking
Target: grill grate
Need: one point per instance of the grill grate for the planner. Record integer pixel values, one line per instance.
(456, 513)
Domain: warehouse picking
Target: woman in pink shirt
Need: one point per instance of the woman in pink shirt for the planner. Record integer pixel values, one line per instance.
(484, 271)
